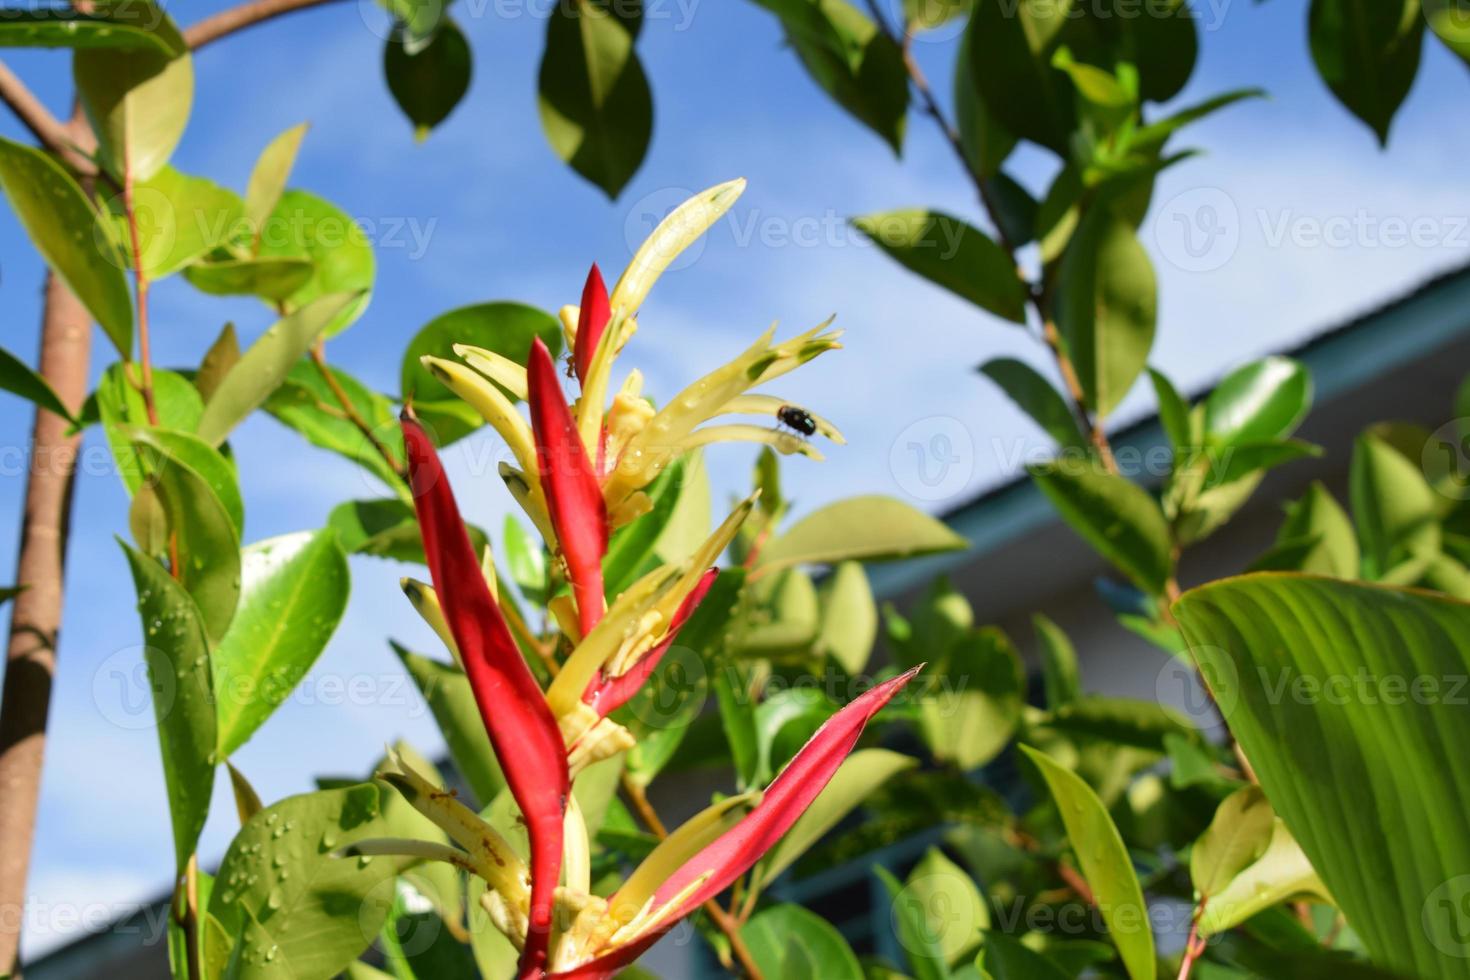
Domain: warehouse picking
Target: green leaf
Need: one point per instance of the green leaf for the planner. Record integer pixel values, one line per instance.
(304, 226)
(385, 528)
(1105, 865)
(859, 775)
(1165, 44)
(1011, 45)
(954, 911)
(1122, 721)
(1038, 398)
(120, 405)
(269, 176)
(789, 942)
(247, 800)
(1107, 303)
(1252, 459)
(1281, 874)
(300, 910)
(177, 654)
(1368, 704)
(975, 691)
(630, 548)
(178, 217)
(1367, 51)
(262, 368)
(1393, 507)
(1151, 138)
(1059, 670)
(293, 592)
(17, 378)
(1173, 415)
(200, 457)
(1117, 517)
(912, 926)
(854, 62)
(950, 253)
(452, 703)
(217, 361)
(596, 107)
(526, 559)
(986, 142)
(272, 279)
(110, 24)
(862, 528)
(1015, 210)
(71, 237)
(137, 99)
(307, 403)
(505, 328)
(1007, 958)
(1260, 402)
(849, 614)
(1236, 838)
(429, 82)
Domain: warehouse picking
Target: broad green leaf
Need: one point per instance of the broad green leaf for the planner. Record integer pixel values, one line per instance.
(177, 654)
(429, 82)
(179, 218)
(1393, 507)
(1367, 51)
(1011, 46)
(921, 947)
(293, 592)
(1107, 301)
(120, 405)
(975, 692)
(689, 525)
(853, 61)
(1173, 415)
(940, 619)
(308, 403)
(737, 720)
(71, 236)
(269, 176)
(1116, 516)
(788, 941)
(1236, 838)
(1015, 210)
(206, 462)
(787, 620)
(955, 913)
(859, 775)
(272, 279)
(1260, 402)
(300, 909)
(525, 558)
(630, 548)
(304, 226)
(1007, 958)
(416, 20)
(385, 528)
(137, 99)
(203, 532)
(1229, 464)
(110, 24)
(1105, 865)
(1164, 41)
(596, 107)
(1368, 705)
(452, 703)
(849, 617)
(268, 362)
(1059, 670)
(1281, 874)
(505, 328)
(1121, 721)
(17, 378)
(861, 528)
(950, 253)
(217, 361)
(987, 143)
(661, 713)
(1038, 398)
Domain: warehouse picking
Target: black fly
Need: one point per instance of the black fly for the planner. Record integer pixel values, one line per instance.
(797, 418)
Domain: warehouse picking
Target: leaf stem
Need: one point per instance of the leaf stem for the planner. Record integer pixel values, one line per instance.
(319, 359)
(228, 22)
(140, 276)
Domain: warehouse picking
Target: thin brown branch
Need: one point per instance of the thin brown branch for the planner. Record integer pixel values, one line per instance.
(49, 131)
(227, 22)
(723, 920)
(319, 358)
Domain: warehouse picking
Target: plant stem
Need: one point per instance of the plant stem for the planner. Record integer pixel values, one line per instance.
(723, 920)
(145, 360)
(1194, 947)
(227, 22)
(319, 359)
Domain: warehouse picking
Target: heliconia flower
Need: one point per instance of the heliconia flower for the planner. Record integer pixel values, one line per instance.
(573, 496)
(592, 317)
(626, 925)
(521, 727)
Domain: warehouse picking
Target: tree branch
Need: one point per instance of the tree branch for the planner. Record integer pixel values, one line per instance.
(48, 130)
(248, 14)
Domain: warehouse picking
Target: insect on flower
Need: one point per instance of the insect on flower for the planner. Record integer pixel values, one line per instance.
(797, 418)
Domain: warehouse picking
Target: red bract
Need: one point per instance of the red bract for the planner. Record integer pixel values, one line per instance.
(521, 727)
(573, 496)
(592, 319)
(737, 850)
(607, 694)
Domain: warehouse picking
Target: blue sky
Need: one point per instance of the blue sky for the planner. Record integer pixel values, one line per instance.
(1304, 198)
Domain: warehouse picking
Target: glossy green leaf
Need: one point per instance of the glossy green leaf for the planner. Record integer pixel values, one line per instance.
(137, 99)
(1105, 865)
(452, 703)
(308, 403)
(1236, 838)
(177, 654)
(293, 592)
(1114, 515)
(1059, 670)
(1262, 401)
(1367, 51)
(596, 107)
(789, 941)
(525, 558)
(921, 948)
(269, 176)
(384, 528)
(179, 218)
(300, 909)
(110, 24)
(416, 20)
(1393, 507)
(71, 237)
(974, 695)
(217, 361)
(955, 913)
(267, 363)
(1281, 874)
(630, 549)
(304, 226)
(986, 142)
(17, 378)
(950, 253)
(860, 528)
(1164, 41)
(1038, 398)
(200, 457)
(1007, 958)
(429, 82)
(505, 328)
(272, 279)
(1121, 721)
(120, 405)
(1107, 302)
(1355, 683)
(1011, 46)
(1174, 415)
(1229, 464)
(849, 617)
